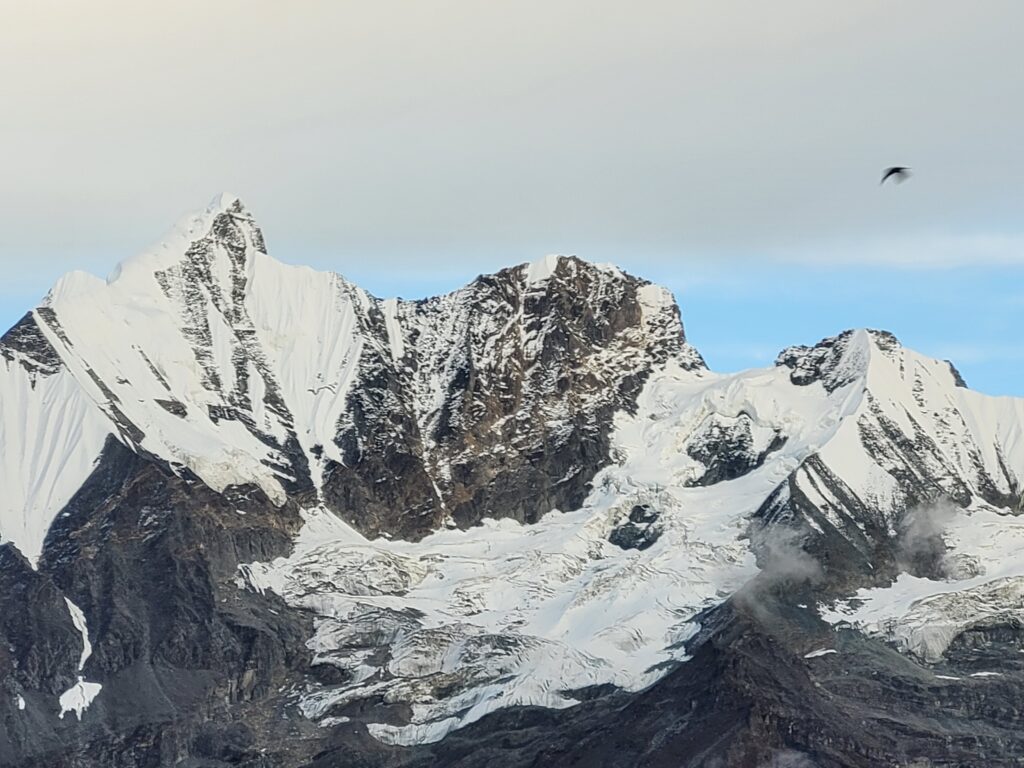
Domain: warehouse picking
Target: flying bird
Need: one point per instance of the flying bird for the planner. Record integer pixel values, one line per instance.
(898, 173)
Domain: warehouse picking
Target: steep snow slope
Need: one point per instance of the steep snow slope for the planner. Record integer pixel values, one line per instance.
(51, 434)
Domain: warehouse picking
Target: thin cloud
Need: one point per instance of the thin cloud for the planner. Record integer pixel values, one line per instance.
(913, 252)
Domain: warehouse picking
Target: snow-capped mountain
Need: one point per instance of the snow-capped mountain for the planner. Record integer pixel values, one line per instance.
(217, 360)
(255, 515)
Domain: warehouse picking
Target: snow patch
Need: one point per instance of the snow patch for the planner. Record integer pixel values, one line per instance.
(395, 340)
(819, 653)
(78, 619)
(78, 697)
(542, 269)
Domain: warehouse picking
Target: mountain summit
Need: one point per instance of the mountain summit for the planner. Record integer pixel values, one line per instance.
(255, 516)
(220, 362)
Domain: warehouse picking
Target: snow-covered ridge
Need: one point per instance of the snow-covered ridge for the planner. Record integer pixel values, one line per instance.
(206, 353)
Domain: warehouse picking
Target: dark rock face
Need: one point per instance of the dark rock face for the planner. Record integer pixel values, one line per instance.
(639, 532)
(728, 449)
(39, 649)
(502, 466)
(148, 557)
(37, 356)
(567, 352)
(956, 375)
(173, 406)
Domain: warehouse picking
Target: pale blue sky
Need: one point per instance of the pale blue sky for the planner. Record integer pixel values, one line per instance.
(728, 149)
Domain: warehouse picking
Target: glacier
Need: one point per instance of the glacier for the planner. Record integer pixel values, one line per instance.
(524, 615)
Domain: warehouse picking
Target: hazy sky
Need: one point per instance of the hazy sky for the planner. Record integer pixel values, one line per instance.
(730, 150)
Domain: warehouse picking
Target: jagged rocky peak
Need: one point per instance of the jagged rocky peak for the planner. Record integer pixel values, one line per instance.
(605, 302)
(560, 342)
(836, 361)
(225, 222)
(216, 360)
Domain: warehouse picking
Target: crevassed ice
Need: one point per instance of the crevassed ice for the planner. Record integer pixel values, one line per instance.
(924, 616)
(505, 614)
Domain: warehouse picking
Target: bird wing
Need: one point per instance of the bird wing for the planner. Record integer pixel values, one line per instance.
(900, 172)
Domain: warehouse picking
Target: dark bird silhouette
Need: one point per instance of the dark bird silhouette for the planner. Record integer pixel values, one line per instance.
(897, 173)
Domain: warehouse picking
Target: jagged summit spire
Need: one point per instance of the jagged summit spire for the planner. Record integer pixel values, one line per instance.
(542, 269)
(189, 229)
